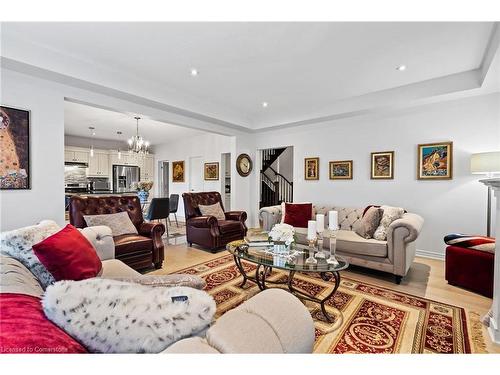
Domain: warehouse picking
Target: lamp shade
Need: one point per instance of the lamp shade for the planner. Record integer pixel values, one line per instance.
(485, 163)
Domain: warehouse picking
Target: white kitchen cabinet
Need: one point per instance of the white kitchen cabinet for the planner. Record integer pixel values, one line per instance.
(99, 165)
(147, 168)
(74, 156)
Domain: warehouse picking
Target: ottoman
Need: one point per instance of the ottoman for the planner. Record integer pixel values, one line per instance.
(470, 269)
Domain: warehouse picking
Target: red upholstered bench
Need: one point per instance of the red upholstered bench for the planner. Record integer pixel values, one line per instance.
(470, 269)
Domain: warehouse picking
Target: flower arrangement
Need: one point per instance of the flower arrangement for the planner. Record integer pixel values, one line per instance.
(283, 233)
(144, 185)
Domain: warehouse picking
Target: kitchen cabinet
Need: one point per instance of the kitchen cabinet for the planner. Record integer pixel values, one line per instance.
(126, 159)
(74, 156)
(147, 168)
(98, 165)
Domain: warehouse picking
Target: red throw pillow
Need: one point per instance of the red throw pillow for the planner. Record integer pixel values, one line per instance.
(298, 214)
(68, 255)
(25, 329)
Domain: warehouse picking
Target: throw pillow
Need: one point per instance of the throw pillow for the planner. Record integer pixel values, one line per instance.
(283, 210)
(389, 215)
(369, 222)
(68, 255)
(480, 243)
(212, 210)
(191, 281)
(297, 214)
(119, 223)
(25, 329)
(109, 316)
(18, 244)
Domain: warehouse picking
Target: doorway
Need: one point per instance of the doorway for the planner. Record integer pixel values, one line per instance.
(163, 179)
(195, 174)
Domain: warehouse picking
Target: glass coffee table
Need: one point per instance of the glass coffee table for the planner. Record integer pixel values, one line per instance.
(296, 260)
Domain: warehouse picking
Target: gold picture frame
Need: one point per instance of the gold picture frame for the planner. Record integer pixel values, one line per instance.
(211, 171)
(178, 171)
(435, 161)
(340, 170)
(382, 165)
(311, 169)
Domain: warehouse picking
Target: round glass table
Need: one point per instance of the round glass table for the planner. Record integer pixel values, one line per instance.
(298, 258)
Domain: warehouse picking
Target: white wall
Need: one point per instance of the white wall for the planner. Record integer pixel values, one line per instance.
(457, 205)
(208, 146)
(45, 199)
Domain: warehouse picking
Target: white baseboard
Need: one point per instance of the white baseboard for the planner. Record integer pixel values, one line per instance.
(429, 254)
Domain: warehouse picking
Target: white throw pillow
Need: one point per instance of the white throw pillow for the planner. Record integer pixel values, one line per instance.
(119, 223)
(18, 244)
(109, 316)
(212, 210)
(390, 214)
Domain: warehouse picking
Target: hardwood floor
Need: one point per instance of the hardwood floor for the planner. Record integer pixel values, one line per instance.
(425, 279)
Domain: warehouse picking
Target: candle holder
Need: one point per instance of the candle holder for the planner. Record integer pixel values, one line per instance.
(312, 245)
(333, 248)
(320, 254)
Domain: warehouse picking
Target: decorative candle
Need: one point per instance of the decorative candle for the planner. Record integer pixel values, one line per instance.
(311, 230)
(333, 220)
(320, 223)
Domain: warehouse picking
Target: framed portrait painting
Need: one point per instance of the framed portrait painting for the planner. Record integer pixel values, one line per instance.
(435, 161)
(178, 171)
(341, 170)
(212, 171)
(382, 165)
(311, 168)
(15, 148)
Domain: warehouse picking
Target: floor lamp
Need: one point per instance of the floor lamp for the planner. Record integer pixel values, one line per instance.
(487, 163)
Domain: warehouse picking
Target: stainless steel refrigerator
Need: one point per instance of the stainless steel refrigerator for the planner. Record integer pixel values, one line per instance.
(124, 176)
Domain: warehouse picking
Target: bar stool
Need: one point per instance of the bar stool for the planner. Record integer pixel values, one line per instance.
(159, 209)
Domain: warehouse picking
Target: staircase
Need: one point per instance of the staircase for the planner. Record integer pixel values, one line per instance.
(275, 188)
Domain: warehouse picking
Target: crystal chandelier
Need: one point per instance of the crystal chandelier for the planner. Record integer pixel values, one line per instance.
(137, 144)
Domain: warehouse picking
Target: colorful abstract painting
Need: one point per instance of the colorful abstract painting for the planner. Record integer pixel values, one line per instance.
(435, 161)
(14, 148)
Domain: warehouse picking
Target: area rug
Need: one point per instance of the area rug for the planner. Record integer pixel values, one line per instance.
(368, 318)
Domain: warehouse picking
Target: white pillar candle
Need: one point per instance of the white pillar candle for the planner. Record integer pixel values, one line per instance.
(320, 223)
(333, 220)
(311, 230)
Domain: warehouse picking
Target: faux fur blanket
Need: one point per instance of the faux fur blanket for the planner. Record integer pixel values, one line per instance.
(109, 316)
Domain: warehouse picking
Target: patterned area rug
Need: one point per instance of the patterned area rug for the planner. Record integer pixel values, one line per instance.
(368, 318)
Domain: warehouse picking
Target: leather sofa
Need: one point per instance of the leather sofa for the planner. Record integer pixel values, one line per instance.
(273, 321)
(139, 251)
(207, 231)
(395, 255)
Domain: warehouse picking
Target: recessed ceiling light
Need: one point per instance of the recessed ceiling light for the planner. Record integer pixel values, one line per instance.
(401, 68)
(265, 104)
(194, 72)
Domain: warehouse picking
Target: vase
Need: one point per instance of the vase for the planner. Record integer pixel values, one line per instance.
(143, 195)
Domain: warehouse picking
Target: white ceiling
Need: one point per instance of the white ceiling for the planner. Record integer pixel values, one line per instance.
(78, 118)
(302, 70)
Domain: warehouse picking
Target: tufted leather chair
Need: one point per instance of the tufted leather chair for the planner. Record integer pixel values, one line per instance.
(207, 231)
(139, 251)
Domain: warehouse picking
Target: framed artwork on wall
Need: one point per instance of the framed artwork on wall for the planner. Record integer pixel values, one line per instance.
(340, 170)
(311, 168)
(435, 161)
(382, 165)
(15, 148)
(178, 171)
(212, 171)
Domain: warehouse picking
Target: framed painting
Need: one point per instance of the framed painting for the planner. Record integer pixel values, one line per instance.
(15, 148)
(212, 171)
(178, 171)
(340, 170)
(382, 165)
(311, 168)
(435, 161)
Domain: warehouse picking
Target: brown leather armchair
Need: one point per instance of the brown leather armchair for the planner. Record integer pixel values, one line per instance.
(207, 231)
(139, 251)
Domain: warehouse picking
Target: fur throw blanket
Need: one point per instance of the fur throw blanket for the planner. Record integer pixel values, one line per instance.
(109, 316)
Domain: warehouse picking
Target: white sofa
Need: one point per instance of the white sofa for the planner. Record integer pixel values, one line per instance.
(273, 321)
(394, 255)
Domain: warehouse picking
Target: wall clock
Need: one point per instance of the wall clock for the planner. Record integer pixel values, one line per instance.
(244, 165)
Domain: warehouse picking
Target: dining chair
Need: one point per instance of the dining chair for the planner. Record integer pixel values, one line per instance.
(174, 204)
(159, 209)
